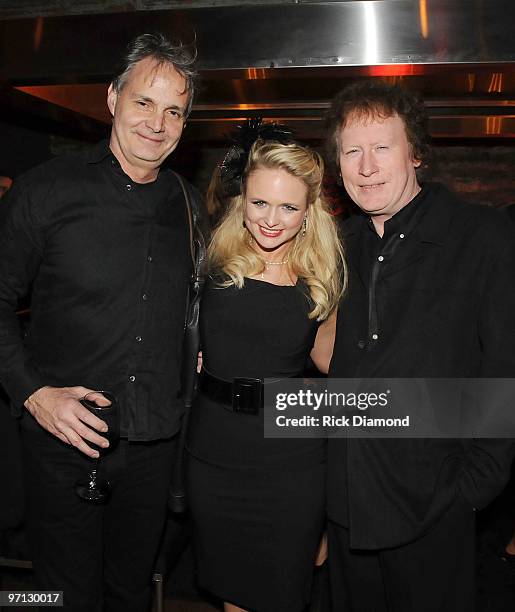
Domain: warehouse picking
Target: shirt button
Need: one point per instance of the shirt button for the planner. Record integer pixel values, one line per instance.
(144, 297)
(132, 378)
(375, 336)
(128, 187)
(138, 338)
(380, 258)
(149, 258)
(362, 344)
(401, 235)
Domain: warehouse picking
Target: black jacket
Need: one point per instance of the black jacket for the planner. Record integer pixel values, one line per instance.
(446, 309)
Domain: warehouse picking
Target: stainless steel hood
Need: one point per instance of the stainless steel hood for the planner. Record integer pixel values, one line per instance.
(279, 59)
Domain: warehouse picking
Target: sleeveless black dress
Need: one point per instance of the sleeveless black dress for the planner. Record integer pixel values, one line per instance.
(258, 505)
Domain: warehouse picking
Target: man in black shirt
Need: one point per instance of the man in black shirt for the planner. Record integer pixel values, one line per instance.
(430, 295)
(101, 240)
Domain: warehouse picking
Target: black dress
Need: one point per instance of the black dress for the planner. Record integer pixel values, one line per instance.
(258, 505)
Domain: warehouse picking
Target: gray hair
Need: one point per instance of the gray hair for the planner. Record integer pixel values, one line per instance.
(157, 46)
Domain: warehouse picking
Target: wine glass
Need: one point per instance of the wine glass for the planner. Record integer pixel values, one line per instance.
(92, 488)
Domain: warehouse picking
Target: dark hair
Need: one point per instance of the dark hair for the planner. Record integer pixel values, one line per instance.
(159, 47)
(374, 98)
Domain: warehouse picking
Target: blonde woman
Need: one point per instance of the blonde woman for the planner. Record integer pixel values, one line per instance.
(276, 266)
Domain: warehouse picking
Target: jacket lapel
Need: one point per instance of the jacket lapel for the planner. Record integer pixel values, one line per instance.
(353, 245)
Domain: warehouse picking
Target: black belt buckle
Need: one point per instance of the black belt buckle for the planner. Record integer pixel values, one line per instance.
(247, 395)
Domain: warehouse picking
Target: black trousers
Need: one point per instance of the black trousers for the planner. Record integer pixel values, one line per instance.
(102, 557)
(432, 574)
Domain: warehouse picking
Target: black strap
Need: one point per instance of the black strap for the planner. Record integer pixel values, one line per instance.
(191, 323)
(189, 213)
(191, 346)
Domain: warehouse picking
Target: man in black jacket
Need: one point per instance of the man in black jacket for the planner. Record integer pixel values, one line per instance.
(102, 240)
(430, 295)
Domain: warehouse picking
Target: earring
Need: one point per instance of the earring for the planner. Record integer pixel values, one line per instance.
(304, 226)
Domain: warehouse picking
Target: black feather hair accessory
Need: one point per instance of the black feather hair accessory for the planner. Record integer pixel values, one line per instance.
(235, 160)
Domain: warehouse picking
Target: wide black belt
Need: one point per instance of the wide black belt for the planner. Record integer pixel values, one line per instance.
(241, 395)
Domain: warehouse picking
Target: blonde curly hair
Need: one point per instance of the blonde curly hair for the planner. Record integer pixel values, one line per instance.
(315, 256)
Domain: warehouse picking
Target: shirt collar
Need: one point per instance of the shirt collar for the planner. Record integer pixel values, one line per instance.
(407, 218)
(98, 152)
(102, 151)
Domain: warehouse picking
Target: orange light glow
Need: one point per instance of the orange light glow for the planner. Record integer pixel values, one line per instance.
(254, 74)
(471, 78)
(495, 83)
(393, 70)
(493, 125)
(424, 24)
(87, 99)
(38, 33)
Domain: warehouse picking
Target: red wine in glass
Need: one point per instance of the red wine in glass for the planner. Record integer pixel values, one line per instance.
(93, 488)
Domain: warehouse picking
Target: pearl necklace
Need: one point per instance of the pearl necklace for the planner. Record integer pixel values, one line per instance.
(273, 263)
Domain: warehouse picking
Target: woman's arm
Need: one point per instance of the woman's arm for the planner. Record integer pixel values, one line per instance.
(322, 350)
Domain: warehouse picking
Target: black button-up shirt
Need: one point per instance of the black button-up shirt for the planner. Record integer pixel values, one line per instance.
(107, 263)
(377, 252)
